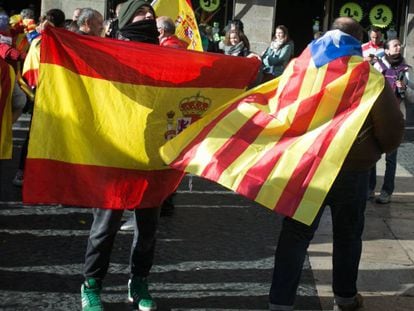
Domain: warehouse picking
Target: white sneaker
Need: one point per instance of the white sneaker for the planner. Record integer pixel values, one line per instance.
(129, 224)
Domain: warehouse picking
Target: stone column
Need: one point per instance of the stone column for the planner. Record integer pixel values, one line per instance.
(258, 19)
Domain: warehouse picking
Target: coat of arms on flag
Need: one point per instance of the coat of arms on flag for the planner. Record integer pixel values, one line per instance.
(104, 107)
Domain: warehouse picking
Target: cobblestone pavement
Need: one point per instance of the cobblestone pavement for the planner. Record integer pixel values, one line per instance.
(406, 156)
(214, 253)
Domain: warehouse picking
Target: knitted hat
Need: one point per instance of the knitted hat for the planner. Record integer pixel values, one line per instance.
(128, 10)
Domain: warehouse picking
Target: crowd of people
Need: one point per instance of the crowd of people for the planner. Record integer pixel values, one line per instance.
(136, 20)
(386, 57)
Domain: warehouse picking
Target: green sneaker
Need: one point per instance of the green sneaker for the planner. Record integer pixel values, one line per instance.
(138, 294)
(91, 296)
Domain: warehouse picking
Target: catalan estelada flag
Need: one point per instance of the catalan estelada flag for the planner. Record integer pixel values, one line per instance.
(181, 11)
(282, 144)
(104, 107)
(7, 79)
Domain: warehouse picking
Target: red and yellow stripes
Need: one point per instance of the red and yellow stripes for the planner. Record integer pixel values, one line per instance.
(284, 153)
(104, 107)
(7, 77)
(31, 64)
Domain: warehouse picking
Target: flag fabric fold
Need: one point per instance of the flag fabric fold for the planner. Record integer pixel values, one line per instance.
(283, 143)
(182, 13)
(104, 107)
(30, 71)
(7, 77)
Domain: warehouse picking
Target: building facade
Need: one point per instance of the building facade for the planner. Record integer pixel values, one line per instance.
(303, 18)
(260, 17)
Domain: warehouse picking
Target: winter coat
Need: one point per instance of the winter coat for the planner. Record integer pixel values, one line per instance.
(274, 61)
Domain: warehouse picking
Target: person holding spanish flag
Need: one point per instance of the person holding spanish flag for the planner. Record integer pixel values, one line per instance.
(136, 23)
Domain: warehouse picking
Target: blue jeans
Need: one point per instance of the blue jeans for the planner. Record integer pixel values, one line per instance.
(389, 176)
(347, 200)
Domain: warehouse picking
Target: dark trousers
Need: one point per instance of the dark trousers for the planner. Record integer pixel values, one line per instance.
(347, 200)
(105, 225)
(23, 153)
(389, 175)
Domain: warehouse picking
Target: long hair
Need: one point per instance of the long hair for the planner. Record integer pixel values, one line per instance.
(241, 36)
(285, 31)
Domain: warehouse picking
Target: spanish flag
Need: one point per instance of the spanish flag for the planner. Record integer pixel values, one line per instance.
(104, 107)
(283, 143)
(7, 77)
(31, 64)
(185, 22)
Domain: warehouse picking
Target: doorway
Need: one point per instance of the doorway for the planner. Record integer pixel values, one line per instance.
(299, 16)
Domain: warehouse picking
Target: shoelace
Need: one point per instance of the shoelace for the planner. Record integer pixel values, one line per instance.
(93, 298)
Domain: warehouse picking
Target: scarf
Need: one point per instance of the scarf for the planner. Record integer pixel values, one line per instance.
(395, 59)
(142, 31)
(235, 50)
(277, 44)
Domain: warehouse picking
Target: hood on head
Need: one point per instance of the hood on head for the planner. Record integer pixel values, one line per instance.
(128, 10)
